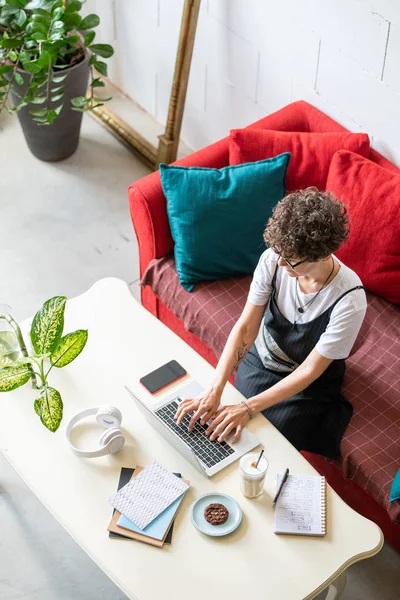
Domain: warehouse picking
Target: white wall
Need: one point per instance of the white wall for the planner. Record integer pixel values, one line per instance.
(254, 56)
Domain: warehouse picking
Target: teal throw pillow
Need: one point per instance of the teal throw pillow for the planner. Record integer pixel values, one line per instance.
(395, 491)
(217, 216)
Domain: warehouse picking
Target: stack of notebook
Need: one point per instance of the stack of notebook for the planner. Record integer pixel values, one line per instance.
(145, 512)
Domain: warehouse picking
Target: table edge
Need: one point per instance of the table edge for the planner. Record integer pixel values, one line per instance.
(351, 561)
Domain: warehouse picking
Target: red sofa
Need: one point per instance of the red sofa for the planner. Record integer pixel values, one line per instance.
(371, 445)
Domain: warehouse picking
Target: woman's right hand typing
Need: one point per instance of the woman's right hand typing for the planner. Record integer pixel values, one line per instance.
(204, 407)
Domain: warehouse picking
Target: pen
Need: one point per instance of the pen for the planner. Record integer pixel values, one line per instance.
(286, 475)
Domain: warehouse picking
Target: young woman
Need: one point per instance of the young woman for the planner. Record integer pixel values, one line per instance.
(302, 316)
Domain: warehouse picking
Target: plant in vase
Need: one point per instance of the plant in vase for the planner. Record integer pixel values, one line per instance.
(46, 55)
(51, 350)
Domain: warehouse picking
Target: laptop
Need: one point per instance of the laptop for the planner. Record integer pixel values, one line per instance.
(206, 456)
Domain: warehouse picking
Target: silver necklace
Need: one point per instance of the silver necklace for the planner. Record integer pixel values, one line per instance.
(305, 307)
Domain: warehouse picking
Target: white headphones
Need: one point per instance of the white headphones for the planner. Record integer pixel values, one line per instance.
(110, 442)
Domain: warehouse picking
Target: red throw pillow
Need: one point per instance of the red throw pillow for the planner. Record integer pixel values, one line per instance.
(372, 197)
(311, 152)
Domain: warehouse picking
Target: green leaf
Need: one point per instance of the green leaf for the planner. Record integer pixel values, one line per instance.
(97, 83)
(57, 25)
(89, 22)
(57, 13)
(43, 13)
(32, 66)
(73, 6)
(57, 89)
(44, 59)
(72, 21)
(48, 324)
(13, 56)
(57, 97)
(18, 78)
(55, 5)
(79, 101)
(101, 67)
(42, 18)
(59, 78)
(39, 37)
(89, 37)
(20, 3)
(49, 407)
(9, 11)
(20, 18)
(104, 50)
(38, 100)
(101, 99)
(10, 43)
(73, 39)
(58, 109)
(38, 112)
(12, 15)
(6, 69)
(20, 106)
(70, 346)
(12, 378)
(44, 4)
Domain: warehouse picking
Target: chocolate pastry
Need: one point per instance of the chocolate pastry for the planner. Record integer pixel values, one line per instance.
(216, 514)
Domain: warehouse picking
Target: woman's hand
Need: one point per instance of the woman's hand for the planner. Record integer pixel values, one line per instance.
(227, 419)
(204, 406)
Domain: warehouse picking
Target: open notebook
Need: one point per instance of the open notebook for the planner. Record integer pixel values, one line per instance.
(301, 506)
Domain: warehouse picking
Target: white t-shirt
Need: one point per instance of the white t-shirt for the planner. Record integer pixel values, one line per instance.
(346, 318)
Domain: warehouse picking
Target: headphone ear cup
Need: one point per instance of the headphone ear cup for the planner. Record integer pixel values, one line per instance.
(109, 416)
(113, 439)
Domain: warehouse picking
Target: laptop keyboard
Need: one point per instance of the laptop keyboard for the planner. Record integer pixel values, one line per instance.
(210, 453)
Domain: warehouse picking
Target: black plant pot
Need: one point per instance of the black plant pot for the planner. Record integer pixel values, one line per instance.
(60, 139)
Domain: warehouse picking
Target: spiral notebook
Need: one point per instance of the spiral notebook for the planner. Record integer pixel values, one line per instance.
(301, 506)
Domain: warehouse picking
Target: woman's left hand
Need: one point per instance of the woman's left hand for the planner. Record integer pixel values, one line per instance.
(226, 420)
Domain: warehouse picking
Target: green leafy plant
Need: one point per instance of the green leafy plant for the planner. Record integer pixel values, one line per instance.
(51, 349)
(43, 38)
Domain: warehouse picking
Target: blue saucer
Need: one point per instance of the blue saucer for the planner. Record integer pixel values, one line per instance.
(198, 520)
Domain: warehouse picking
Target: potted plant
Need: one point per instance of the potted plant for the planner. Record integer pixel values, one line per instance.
(46, 56)
(50, 350)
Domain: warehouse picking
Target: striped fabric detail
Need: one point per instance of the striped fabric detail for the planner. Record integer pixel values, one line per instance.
(271, 355)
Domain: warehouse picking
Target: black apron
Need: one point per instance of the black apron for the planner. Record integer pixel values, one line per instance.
(316, 418)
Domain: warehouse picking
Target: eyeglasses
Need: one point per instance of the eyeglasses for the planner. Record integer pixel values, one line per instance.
(291, 265)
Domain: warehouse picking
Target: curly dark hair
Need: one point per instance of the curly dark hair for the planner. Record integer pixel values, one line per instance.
(308, 225)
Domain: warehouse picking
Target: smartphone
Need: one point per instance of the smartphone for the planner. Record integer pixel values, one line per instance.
(163, 376)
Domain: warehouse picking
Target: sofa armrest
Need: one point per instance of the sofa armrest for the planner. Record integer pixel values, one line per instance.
(148, 205)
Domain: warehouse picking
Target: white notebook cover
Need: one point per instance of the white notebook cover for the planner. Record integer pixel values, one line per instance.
(148, 495)
(301, 506)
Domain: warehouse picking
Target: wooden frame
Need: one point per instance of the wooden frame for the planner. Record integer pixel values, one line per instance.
(167, 149)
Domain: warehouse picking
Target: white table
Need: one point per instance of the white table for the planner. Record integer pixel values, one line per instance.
(126, 342)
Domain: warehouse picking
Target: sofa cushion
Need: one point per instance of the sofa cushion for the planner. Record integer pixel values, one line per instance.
(210, 311)
(311, 152)
(371, 444)
(372, 196)
(217, 216)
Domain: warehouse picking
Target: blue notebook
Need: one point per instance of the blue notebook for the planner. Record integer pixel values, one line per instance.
(159, 526)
